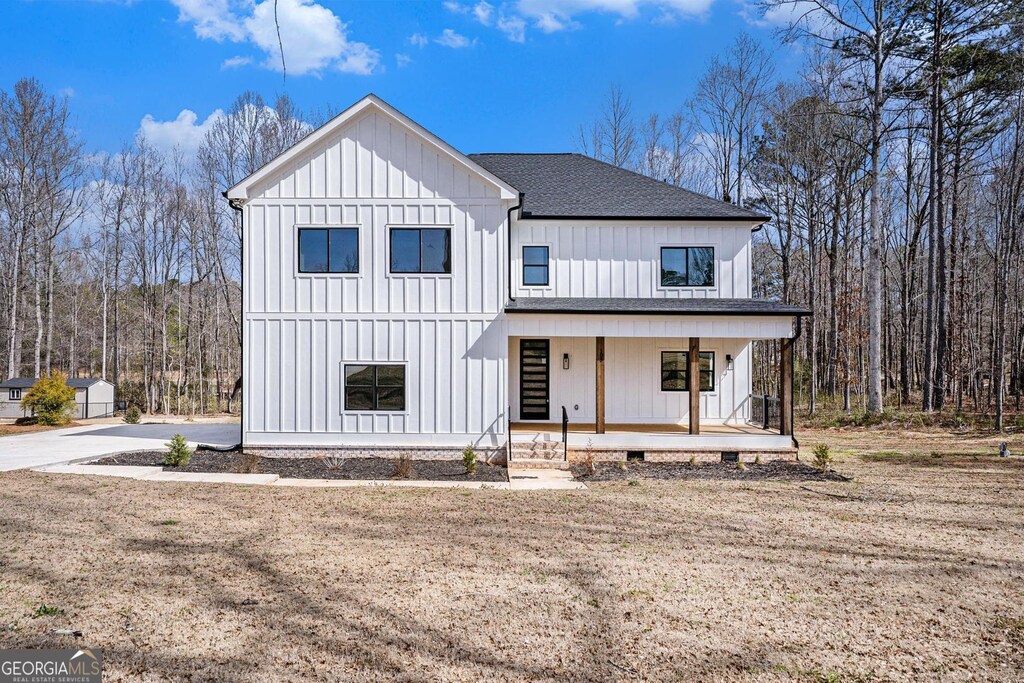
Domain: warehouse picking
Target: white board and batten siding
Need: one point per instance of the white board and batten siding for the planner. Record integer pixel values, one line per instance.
(633, 381)
(300, 329)
(623, 258)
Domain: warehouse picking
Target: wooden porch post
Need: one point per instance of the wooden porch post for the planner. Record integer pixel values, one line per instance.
(786, 387)
(693, 363)
(599, 423)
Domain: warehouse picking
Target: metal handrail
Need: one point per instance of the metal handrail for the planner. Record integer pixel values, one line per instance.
(764, 410)
(565, 433)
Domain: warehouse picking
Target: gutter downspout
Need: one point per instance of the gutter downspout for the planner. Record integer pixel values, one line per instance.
(237, 204)
(508, 409)
(519, 205)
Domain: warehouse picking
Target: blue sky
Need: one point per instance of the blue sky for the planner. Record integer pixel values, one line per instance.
(519, 75)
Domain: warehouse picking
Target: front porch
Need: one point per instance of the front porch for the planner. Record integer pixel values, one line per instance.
(652, 442)
(673, 383)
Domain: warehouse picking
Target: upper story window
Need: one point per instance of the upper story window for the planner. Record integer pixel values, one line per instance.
(675, 371)
(535, 266)
(421, 250)
(375, 387)
(15, 395)
(328, 250)
(687, 267)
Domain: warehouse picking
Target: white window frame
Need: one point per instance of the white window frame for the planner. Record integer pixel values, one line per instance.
(11, 395)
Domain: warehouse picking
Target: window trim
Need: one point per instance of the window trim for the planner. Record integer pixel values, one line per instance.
(714, 364)
(364, 411)
(330, 226)
(12, 397)
(390, 227)
(676, 288)
(522, 265)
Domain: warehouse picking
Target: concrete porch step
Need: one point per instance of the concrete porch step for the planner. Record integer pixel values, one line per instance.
(537, 464)
(543, 445)
(537, 455)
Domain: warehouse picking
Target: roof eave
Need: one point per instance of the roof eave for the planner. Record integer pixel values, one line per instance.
(758, 220)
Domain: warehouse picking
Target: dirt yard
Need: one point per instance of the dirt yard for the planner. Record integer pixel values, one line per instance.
(914, 571)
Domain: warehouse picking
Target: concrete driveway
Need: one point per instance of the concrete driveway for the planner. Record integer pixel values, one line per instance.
(85, 443)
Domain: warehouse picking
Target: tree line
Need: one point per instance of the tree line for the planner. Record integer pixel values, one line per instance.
(892, 168)
(126, 265)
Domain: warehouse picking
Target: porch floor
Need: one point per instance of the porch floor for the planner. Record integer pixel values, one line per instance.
(625, 428)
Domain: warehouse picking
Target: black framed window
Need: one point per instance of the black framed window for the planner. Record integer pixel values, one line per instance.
(15, 395)
(374, 387)
(675, 374)
(421, 250)
(687, 266)
(328, 250)
(535, 266)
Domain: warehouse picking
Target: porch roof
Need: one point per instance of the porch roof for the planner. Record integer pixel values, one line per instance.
(652, 306)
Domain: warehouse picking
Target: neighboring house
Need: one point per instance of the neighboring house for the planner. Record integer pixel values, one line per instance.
(93, 397)
(399, 294)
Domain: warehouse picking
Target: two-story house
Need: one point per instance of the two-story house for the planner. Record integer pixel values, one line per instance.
(401, 295)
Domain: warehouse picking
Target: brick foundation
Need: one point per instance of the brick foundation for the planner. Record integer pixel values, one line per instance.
(665, 455)
(492, 456)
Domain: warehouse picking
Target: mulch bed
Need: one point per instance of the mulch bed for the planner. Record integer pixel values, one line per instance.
(776, 470)
(312, 468)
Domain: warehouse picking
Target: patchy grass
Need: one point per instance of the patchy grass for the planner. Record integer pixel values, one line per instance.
(909, 572)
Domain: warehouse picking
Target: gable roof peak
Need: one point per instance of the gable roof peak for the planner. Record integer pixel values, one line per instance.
(239, 192)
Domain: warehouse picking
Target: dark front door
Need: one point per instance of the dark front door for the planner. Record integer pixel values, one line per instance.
(534, 376)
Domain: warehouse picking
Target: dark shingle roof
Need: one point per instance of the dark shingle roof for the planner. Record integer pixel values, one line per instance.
(660, 306)
(576, 186)
(27, 382)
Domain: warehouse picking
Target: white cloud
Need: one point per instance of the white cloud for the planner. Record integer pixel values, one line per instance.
(418, 39)
(800, 12)
(483, 11)
(360, 59)
(559, 15)
(402, 60)
(236, 62)
(449, 38)
(513, 27)
(314, 38)
(213, 19)
(184, 132)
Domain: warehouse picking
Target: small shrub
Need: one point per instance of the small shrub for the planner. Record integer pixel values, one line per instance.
(588, 463)
(692, 462)
(178, 453)
(823, 458)
(403, 467)
(51, 399)
(757, 459)
(332, 462)
(621, 464)
(132, 415)
(470, 459)
(740, 467)
(634, 482)
(45, 610)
